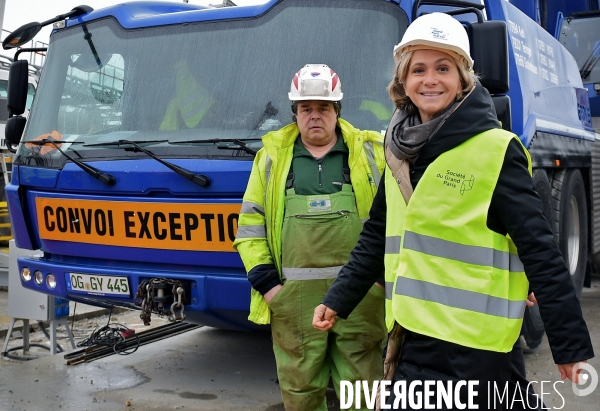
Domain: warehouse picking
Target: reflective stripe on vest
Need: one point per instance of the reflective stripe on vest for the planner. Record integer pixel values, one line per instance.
(389, 290)
(454, 297)
(392, 244)
(310, 273)
(393, 241)
(251, 231)
(368, 147)
(249, 207)
(468, 254)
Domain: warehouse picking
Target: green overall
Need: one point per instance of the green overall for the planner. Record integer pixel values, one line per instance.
(318, 234)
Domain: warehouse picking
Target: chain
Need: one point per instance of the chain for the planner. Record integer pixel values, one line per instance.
(145, 295)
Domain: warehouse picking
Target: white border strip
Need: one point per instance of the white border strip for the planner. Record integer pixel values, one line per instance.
(550, 126)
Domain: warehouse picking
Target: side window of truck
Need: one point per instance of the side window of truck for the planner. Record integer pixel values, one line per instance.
(91, 99)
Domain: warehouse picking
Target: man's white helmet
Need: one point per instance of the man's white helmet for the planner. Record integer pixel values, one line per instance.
(439, 31)
(316, 82)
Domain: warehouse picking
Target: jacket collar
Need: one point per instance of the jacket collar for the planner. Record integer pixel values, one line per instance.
(285, 137)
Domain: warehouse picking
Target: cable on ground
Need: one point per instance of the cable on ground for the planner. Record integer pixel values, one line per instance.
(112, 335)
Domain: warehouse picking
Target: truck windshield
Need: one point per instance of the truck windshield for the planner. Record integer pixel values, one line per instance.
(581, 37)
(208, 81)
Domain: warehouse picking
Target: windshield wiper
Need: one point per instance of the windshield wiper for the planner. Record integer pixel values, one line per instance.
(106, 178)
(200, 179)
(116, 143)
(239, 143)
(88, 36)
(590, 62)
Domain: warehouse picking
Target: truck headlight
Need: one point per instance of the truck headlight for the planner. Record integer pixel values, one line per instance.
(38, 277)
(51, 281)
(26, 274)
(597, 87)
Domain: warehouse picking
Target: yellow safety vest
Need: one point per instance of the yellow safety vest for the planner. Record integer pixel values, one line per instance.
(449, 276)
(258, 239)
(191, 101)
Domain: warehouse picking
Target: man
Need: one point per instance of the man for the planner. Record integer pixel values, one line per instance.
(310, 189)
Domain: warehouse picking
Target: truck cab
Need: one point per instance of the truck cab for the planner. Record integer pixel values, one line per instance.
(167, 103)
(137, 152)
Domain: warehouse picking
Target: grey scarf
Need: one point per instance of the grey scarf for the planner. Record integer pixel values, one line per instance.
(404, 139)
(406, 135)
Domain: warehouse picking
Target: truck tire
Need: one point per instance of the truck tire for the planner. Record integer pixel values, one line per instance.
(544, 189)
(571, 222)
(533, 326)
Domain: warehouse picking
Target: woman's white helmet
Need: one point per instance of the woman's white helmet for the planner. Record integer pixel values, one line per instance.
(438, 31)
(316, 82)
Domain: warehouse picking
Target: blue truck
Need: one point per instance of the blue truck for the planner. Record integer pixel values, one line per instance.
(576, 24)
(130, 170)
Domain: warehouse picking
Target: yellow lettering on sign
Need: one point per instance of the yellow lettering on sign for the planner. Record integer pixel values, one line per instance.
(169, 226)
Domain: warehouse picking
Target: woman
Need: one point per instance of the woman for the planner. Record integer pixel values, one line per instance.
(456, 203)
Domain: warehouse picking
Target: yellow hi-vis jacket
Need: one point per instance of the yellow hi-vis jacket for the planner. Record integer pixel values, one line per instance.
(448, 275)
(258, 238)
(191, 101)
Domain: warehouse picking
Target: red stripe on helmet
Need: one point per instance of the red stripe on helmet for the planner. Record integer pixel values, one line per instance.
(295, 79)
(334, 80)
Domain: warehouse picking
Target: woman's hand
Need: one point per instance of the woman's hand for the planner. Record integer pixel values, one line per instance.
(531, 300)
(324, 317)
(566, 371)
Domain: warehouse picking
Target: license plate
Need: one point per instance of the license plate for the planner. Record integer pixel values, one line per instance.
(97, 284)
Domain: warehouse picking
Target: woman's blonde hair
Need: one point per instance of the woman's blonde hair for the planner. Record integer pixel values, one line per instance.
(396, 86)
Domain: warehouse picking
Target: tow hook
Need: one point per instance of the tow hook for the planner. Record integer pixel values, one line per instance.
(152, 297)
(179, 305)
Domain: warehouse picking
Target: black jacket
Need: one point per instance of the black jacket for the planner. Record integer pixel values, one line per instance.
(515, 210)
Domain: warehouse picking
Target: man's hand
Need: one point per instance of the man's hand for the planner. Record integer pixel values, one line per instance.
(271, 293)
(566, 371)
(324, 317)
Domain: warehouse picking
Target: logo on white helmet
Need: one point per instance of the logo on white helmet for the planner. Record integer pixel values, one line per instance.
(439, 34)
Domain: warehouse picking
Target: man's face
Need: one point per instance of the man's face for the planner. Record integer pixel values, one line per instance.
(316, 120)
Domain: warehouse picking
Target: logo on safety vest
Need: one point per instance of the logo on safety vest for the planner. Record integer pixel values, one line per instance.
(456, 179)
(467, 184)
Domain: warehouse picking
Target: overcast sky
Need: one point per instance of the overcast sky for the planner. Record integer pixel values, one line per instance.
(19, 12)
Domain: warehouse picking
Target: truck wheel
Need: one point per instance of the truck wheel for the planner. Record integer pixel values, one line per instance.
(544, 189)
(571, 222)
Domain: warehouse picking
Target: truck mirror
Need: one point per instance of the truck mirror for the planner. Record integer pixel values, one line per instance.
(16, 93)
(21, 35)
(489, 50)
(14, 130)
(28, 31)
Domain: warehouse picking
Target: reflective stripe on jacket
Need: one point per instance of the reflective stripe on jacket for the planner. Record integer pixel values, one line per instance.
(258, 239)
(455, 279)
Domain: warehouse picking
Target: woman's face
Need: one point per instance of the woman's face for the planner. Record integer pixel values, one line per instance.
(432, 82)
